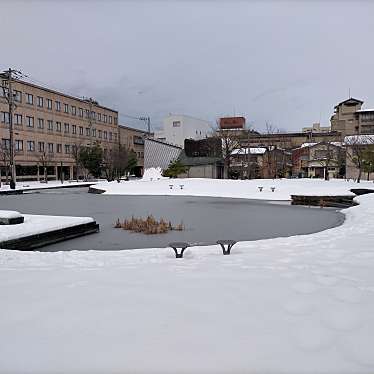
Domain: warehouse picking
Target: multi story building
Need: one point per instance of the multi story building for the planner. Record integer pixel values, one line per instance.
(350, 119)
(177, 128)
(134, 139)
(48, 125)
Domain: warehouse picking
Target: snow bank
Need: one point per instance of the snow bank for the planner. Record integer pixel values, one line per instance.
(249, 189)
(152, 174)
(302, 304)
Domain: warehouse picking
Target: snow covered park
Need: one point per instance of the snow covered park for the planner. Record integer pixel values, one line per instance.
(250, 189)
(35, 185)
(302, 304)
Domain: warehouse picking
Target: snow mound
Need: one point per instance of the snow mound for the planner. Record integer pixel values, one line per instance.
(9, 214)
(153, 174)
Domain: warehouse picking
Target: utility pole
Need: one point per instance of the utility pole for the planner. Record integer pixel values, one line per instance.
(10, 98)
(147, 121)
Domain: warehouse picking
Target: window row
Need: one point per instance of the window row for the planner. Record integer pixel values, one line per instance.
(42, 102)
(41, 147)
(57, 126)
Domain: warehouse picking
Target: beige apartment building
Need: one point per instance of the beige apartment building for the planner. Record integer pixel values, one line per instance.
(350, 119)
(47, 126)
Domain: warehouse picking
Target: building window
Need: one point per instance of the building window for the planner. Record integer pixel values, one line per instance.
(5, 143)
(94, 133)
(73, 110)
(40, 102)
(87, 113)
(110, 136)
(29, 99)
(30, 146)
(105, 135)
(58, 106)
(115, 120)
(110, 119)
(19, 145)
(105, 118)
(41, 146)
(18, 96)
(176, 123)
(58, 126)
(50, 125)
(18, 119)
(66, 108)
(40, 123)
(80, 130)
(4, 117)
(99, 117)
(74, 129)
(80, 112)
(49, 104)
(67, 148)
(66, 127)
(59, 148)
(100, 134)
(88, 131)
(115, 136)
(50, 147)
(93, 115)
(30, 121)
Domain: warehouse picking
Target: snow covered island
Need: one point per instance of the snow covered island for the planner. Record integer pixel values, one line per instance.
(38, 230)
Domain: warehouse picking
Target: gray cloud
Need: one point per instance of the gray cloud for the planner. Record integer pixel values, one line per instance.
(285, 62)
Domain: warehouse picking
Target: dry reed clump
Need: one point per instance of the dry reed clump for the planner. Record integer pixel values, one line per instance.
(148, 225)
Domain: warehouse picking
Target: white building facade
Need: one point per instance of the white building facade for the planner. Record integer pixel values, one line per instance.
(177, 128)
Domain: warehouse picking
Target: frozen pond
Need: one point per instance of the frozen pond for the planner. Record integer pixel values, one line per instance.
(206, 219)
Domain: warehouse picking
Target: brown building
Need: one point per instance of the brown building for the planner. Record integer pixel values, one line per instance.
(231, 123)
(350, 119)
(133, 139)
(47, 126)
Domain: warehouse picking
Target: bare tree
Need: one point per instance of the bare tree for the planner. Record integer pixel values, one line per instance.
(357, 146)
(117, 161)
(230, 140)
(76, 154)
(45, 160)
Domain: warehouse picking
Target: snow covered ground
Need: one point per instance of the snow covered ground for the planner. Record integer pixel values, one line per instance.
(37, 185)
(234, 188)
(303, 304)
(37, 224)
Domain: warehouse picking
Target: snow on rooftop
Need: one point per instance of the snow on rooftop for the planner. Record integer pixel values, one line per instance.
(359, 139)
(364, 110)
(337, 144)
(252, 150)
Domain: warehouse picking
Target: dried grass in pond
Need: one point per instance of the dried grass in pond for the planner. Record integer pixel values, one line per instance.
(148, 225)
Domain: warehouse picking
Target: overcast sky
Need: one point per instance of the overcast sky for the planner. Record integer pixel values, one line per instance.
(283, 62)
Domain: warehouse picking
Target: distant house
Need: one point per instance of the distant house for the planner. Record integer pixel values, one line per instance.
(203, 158)
(314, 160)
(246, 163)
